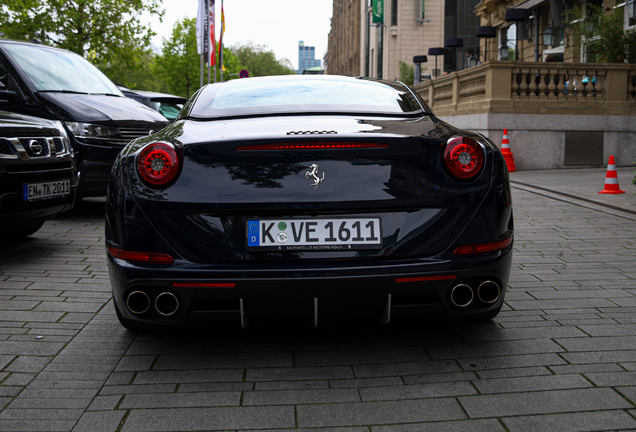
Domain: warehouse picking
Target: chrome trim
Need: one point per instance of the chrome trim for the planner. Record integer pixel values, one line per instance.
(169, 311)
(487, 283)
(456, 301)
(128, 302)
(21, 153)
(244, 323)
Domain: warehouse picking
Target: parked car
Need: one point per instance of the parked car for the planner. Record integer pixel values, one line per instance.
(38, 178)
(166, 104)
(312, 195)
(55, 84)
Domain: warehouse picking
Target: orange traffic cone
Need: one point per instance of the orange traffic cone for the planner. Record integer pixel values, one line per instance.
(505, 150)
(611, 179)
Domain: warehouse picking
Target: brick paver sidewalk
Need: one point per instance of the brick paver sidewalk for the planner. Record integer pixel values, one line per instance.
(560, 357)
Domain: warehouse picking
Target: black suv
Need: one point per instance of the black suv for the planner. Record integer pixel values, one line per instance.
(52, 83)
(38, 178)
(166, 104)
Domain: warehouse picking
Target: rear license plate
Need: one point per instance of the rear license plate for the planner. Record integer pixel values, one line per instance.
(38, 191)
(334, 234)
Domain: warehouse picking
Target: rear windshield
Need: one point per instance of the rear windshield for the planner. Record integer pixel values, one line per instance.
(303, 94)
(59, 70)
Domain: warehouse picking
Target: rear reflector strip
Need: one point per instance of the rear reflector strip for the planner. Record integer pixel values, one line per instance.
(425, 278)
(203, 285)
(312, 146)
(146, 257)
(483, 247)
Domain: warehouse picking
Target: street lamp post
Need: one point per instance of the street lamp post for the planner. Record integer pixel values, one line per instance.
(517, 16)
(417, 75)
(437, 51)
(548, 36)
(486, 32)
(503, 51)
(454, 43)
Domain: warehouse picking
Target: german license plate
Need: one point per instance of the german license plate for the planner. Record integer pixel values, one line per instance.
(334, 234)
(37, 191)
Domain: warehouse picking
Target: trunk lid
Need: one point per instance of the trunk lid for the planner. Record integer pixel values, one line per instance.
(385, 168)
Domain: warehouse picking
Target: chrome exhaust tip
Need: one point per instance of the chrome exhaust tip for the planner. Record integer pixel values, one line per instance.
(462, 295)
(488, 292)
(166, 304)
(138, 302)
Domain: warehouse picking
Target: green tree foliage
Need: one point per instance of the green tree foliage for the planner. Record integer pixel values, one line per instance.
(107, 30)
(232, 66)
(140, 75)
(179, 64)
(407, 73)
(260, 61)
(603, 35)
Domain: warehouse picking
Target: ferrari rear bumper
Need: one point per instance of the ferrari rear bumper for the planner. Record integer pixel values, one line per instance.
(458, 288)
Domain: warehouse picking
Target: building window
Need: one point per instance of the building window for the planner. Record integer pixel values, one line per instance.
(394, 12)
(631, 12)
(559, 37)
(509, 39)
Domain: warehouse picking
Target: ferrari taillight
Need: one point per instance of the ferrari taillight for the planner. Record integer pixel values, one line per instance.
(145, 257)
(158, 164)
(463, 158)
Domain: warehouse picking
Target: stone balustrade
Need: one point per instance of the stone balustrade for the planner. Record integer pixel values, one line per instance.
(557, 114)
(533, 88)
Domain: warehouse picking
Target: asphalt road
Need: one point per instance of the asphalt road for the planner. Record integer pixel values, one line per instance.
(561, 356)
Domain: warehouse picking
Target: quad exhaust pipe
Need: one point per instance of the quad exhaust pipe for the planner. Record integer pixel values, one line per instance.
(138, 302)
(463, 295)
(166, 303)
(488, 292)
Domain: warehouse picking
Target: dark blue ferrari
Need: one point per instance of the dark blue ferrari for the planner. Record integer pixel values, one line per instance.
(307, 196)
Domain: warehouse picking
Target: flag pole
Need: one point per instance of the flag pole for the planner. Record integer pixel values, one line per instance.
(221, 40)
(207, 27)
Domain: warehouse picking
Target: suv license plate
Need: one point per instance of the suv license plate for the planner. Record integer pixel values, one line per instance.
(38, 191)
(333, 234)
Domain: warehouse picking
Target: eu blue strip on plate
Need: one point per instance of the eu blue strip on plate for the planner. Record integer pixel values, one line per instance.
(253, 235)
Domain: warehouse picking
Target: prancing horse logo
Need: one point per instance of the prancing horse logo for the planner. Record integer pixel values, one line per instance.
(312, 175)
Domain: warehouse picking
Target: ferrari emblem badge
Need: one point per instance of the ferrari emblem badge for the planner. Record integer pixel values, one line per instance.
(312, 174)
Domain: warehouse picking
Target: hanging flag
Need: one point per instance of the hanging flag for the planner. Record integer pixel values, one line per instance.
(221, 37)
(378, 11)
(201, 26)
(212, 41)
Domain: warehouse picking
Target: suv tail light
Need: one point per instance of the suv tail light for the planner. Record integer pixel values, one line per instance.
(158, 164)
(463, 158)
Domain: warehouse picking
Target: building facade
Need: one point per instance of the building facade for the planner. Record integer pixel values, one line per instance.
(395, 31)
(539, 81)
(525, 35)
(560, 110)
(343, 53)
(306, 57)
(371, 37)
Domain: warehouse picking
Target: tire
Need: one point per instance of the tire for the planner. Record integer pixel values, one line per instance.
(21, 232)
